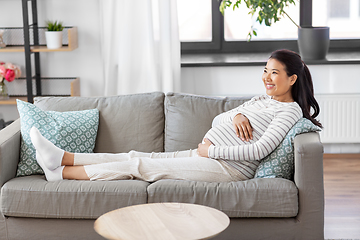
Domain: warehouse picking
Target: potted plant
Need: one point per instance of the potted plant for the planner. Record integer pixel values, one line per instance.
(313, 42)
(53, 34)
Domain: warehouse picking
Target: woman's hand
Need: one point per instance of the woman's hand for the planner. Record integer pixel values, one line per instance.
(242, 127)
(203, 148)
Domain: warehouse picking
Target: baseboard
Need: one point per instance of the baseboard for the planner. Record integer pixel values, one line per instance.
(342, 156)
(342, 148)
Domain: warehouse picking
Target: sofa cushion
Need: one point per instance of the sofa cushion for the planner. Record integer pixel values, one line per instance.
(127, 122)
(188, 117)
(253, 198)
(73, 131)
(33, 196)
(280, 163)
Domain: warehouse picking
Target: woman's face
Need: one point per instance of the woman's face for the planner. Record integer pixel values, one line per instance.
(277, 82)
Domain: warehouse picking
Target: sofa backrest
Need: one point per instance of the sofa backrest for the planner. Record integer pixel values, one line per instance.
(147, 122)
(188, 117)
(127, 122)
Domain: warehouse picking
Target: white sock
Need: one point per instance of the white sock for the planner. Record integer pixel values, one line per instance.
(49, 153)
(51, 175)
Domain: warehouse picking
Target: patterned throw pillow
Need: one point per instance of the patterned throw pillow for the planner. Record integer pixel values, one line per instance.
(280, 163)
(72, 131)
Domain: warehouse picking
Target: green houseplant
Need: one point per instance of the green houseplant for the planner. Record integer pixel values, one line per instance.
(268, 11)
(54, 26)
(53, 34)
(313, 42)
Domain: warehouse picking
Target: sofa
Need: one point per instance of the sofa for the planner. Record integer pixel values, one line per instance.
(259, 208)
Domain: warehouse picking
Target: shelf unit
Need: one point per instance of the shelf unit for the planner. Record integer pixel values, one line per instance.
(36, 49)
(74, 91)
(72, 44)
(12, 100)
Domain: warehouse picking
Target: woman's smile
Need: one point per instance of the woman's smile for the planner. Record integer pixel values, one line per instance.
(270, 86)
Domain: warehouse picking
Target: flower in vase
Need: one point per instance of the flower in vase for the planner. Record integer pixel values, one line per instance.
(9, 72)
(10, 75)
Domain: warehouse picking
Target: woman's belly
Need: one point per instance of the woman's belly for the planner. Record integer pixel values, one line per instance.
(224, 135)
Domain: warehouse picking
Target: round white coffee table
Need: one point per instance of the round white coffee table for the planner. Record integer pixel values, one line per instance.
(162, 221)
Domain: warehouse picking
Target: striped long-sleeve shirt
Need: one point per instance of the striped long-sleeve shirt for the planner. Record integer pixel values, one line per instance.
(270, 121)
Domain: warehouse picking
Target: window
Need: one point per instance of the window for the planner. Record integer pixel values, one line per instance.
(339, 8)
(194, 21)
(237, 24)
(342, 17)
(204, 29)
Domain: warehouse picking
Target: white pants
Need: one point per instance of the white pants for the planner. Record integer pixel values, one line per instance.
(184, 165)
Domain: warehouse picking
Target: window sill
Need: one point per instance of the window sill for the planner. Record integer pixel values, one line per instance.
(259, 59)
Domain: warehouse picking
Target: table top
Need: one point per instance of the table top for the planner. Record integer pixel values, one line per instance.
(162, 221)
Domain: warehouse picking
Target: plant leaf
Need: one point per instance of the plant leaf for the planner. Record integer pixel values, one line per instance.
(54, 26)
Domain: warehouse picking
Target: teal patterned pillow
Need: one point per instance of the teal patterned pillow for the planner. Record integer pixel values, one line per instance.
(72, 131)
(280, 163)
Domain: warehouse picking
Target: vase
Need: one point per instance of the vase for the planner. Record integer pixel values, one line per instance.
(3, 91)
(313, 42)
(53, 39)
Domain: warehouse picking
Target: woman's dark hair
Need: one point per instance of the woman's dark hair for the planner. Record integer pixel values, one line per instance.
(302, 91)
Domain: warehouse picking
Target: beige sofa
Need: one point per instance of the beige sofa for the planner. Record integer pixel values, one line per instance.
(32, 208)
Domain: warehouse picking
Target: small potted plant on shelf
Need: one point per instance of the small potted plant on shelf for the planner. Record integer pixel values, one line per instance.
(8, 72)
(53, 34)
(313, 42)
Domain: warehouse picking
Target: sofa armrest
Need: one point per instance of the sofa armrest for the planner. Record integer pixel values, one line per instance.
(9, 151)
(308, 178)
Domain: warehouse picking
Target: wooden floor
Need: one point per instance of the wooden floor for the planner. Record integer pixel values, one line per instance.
(342, 196)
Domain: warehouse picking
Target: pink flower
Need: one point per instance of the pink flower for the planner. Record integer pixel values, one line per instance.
(2, 70)
(17, 72)
(9, 75)
(9, 71)
(10, 66)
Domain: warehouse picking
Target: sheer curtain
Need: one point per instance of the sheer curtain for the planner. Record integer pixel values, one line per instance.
(140, 46)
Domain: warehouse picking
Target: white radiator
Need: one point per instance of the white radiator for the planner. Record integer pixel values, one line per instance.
(340, 117)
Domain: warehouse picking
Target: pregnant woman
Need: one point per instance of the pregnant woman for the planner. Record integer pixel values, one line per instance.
(231, 150)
